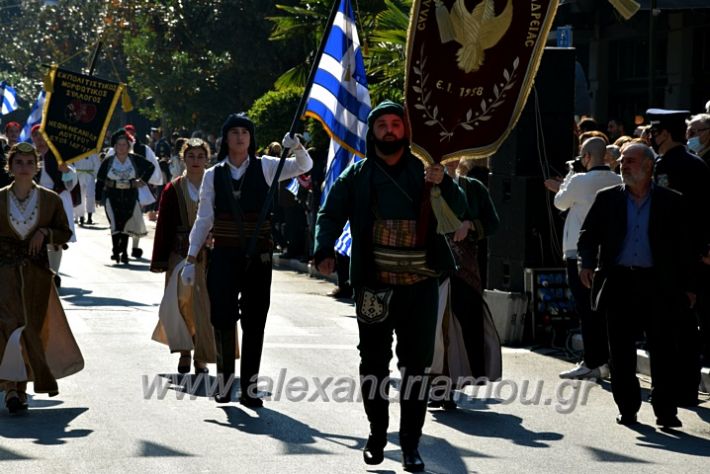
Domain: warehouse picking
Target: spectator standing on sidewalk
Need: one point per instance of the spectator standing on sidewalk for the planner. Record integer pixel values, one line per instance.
(680, 170)
(636, 235)
(576, 195)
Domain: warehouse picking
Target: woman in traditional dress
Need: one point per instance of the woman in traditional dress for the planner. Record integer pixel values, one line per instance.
(117, 183)
(467, 347)
(184, 321)
(36, 342)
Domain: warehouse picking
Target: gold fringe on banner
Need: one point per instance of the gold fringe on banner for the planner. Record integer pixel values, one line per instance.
(446, 220)
(48, 80)
(626, 8)
(126, 103)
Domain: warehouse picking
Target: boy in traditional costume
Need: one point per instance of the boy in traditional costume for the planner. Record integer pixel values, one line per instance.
(232, 195)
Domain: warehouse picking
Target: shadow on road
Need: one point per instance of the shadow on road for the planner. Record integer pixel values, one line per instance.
(676, 441)
(45, 426)
(81, 297)
(297, 437)
(494, 425)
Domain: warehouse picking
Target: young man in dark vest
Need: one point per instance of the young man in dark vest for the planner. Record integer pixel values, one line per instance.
(232, 195)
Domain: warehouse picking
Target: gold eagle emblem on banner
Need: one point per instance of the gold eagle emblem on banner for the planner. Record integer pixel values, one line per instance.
(476, 30)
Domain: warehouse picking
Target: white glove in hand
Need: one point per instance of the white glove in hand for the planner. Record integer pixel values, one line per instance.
(289, 141)
(188, 274)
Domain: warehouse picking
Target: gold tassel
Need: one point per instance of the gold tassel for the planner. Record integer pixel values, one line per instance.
(446, 220)
(626, 8)
(443, 20)
(48, 82)
(126, 103)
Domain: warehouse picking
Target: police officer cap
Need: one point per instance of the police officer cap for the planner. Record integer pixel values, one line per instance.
(665, 118)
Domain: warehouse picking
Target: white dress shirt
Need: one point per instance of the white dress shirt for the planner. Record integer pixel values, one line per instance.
(205, 210)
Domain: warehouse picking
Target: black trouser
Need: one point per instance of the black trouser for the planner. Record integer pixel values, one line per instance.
(412, 316)
(594, 336)
(703, 309)
(636, 302)
(342, 270)
(120, 243)
(467, 306)
(238, 292)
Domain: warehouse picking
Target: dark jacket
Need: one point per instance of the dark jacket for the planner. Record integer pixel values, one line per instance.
(350, 199)
(604, 229)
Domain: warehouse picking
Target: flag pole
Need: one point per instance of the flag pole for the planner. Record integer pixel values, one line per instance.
(294, 122)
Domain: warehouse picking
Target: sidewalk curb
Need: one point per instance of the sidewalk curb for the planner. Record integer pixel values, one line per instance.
(643, 366)
(302, 267)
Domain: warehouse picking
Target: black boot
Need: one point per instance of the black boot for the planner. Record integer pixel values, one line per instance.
(252, 345)
(116, 255)
(375, 399)
(374, 452)
(136, 252)
(124, 248)
(226, 343)
(89, 221)
(413, 404)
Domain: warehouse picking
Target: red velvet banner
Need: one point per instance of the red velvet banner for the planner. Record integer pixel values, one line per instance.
(470, 67)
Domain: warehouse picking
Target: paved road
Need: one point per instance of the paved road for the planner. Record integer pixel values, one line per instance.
(107, 419)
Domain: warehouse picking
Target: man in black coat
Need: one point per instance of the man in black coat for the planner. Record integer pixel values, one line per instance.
(636, 237)
(688, 174)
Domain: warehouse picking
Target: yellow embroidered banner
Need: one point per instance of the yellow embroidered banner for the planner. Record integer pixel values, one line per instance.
(470, 67)
(77, 112)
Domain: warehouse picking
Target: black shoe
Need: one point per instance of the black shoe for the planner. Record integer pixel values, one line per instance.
(435, 403)
(81, 220)
(201, 369)
(184, 364)
(342, 293)
(89, 221)
(668, 422)
(374, 452)
(411, 460)
(57, 281)
(136, 252)
(449, 405)
(251, 402)
(15, 405)
(116, 257)
(626, 420)
(124, 257)
(223, 398)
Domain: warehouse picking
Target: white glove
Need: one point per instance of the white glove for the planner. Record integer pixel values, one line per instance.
(187, 275)
(289, 141)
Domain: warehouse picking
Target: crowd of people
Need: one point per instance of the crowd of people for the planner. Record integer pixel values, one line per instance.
(635, 246)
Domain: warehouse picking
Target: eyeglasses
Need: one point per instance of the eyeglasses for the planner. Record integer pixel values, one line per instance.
(692, 132)
(23, 147)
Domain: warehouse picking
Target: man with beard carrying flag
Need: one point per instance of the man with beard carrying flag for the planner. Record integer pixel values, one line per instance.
(470, 69)
(396, 258)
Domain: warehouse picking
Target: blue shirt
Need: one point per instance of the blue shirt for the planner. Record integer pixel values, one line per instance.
(636, 249)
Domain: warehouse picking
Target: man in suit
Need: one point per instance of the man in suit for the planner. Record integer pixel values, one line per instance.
(636, 236)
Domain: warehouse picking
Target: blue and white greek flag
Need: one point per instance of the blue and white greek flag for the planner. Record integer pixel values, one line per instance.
(339, 97)
(9, 98)
(293, 186)
(340, 100)
(34, 118)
